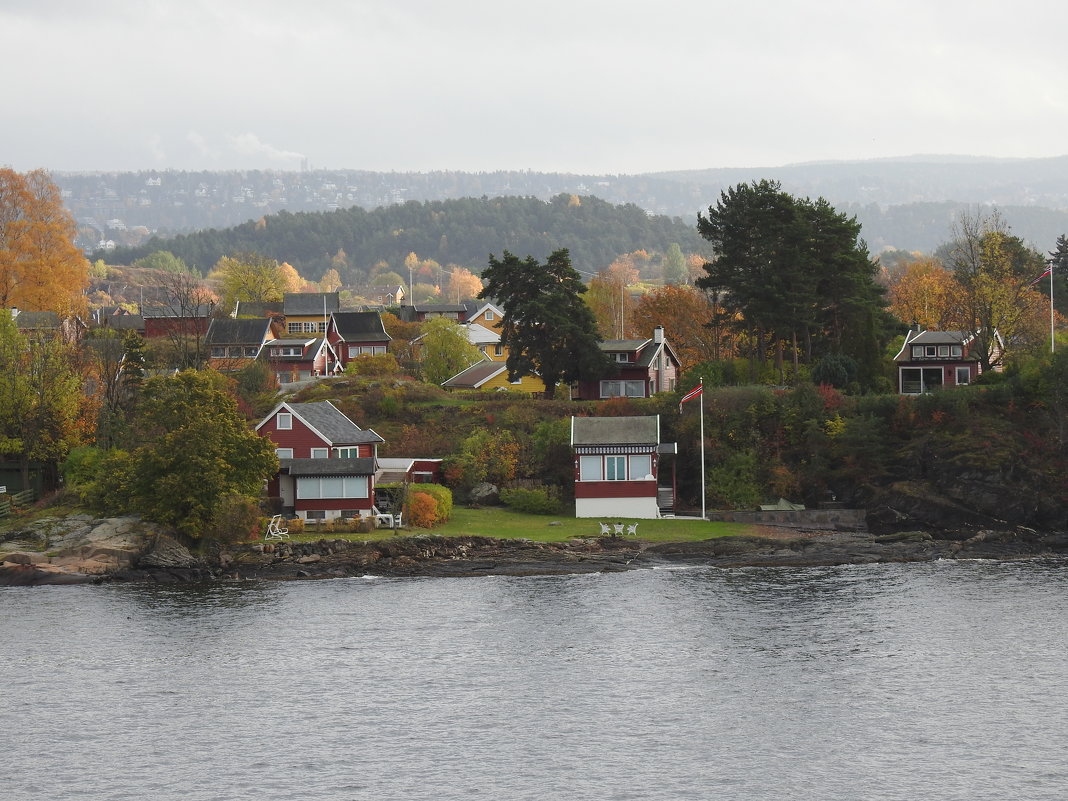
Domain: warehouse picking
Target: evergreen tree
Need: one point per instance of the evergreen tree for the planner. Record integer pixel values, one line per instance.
(548, 330)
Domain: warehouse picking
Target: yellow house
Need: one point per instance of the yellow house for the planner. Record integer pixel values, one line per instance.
(490, 374)
(309, 312)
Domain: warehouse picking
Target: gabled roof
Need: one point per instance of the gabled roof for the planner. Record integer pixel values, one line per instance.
(310, 303)
(477, 307)
(360, 326)
(126, 322)
(246, 308)
(27, 320)
(480, 335)
(646, 350)
(641, 430)
(327, 467)
(914, 337)
(328, 422)
(245, 331)
(476, 375)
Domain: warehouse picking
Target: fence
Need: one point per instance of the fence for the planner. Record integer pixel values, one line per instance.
(8, 502)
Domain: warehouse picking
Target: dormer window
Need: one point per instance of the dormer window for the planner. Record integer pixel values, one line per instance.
(622, 357)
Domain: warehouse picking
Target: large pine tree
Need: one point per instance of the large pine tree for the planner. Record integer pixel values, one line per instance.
(548, 330)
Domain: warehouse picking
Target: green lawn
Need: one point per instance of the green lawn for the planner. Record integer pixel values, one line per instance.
(500, 522)
(497, 521)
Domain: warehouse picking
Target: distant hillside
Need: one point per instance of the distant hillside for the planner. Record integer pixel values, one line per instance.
(906, 203)
(463, 232)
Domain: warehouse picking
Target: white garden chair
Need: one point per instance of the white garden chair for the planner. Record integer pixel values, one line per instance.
(275, 530)
(632, 530)
(605, 530)
(617, 530)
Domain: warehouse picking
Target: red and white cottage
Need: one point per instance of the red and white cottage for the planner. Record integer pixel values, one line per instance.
(932, 360)
(617, 461)
(327, 462)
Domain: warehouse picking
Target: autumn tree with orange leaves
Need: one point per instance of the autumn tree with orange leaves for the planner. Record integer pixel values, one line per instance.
(463, 284)
(684, 312)
(926, 293)
(40, 268)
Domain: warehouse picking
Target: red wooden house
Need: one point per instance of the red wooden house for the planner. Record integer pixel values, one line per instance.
(640, 369)
(931, 360)
(616, 466)
(353, 334)
(327, 462)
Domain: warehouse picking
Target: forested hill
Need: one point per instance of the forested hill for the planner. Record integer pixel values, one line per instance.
(462, 232)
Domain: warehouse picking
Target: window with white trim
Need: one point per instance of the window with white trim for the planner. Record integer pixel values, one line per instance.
(320, 453)
(964, 376)
(956, 351)
(943, 351)
(641, 465)
(284, 421)
(621, 389)
(319, 487)
(283, 453)
(615, 468)
(347, 453)
(590, 468)
(295, 328)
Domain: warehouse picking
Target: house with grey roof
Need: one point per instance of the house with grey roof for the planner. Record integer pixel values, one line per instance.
(327, 462)
(639, 368)
(933, 360)
(356, 333)
(617, 466)
(231, 344)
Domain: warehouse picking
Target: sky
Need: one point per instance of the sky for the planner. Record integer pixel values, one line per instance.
(578, 86)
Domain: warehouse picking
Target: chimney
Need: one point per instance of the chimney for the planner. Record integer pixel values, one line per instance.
(658, 334)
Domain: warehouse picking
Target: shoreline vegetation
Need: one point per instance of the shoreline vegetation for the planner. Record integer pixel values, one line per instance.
(76, 549)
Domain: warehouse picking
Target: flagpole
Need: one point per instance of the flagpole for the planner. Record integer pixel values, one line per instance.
(1051, 339)
(703, 494)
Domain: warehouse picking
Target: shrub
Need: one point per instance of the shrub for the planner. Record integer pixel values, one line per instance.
(295, 526)
(81, 465)
(377, 364)
(422, 510)
(236, 519)
(532, 501)
(443, 496)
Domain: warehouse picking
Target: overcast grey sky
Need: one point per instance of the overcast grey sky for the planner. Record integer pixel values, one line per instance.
(557, 85)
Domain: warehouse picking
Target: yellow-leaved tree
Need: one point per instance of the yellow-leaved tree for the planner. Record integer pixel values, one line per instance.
(40, 267)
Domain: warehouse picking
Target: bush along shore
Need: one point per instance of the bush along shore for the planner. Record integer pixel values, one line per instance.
(82, 550)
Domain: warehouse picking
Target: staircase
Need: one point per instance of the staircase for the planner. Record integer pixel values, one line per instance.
(665, 501)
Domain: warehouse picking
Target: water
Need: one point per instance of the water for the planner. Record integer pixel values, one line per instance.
(933, 681)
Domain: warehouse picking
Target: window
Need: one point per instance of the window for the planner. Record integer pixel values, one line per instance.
(917, 351)
(956, 351)
(615, 468)
(310, 328)
(286, 351)
(320, 453)
(284, 421)
(489, 314)
(294, 328)
(964, 376)
(943, 351)
(930, 351)
(590, 468)
(641, 466)
(347, 453)
(283, 453)
(251, 351)
(622, 357)
(498, 350)
(618, 389)
(317, 487)
(218, 353)
(315, 514)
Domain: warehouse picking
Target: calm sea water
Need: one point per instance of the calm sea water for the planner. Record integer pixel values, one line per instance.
(935, 681)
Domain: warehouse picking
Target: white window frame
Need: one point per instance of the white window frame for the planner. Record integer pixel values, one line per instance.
(347, 452)
(943, 351)
(591, 468)
(956, 351)
(615, 468)
(320, 453)
(283, 421)
(283, 453)
(640, 465)
(963, 371)
(323, 487)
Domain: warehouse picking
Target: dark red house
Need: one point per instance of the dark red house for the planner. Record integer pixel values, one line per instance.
(617, 461)
(327, 462)
(640, 369)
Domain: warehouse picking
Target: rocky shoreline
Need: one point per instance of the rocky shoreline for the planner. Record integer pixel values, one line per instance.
(128, 551)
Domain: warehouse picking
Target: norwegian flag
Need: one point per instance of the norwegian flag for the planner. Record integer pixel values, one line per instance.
(693, 393)
(1047, 272)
